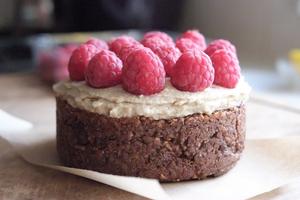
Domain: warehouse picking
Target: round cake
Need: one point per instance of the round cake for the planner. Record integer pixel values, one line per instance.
(170, 135)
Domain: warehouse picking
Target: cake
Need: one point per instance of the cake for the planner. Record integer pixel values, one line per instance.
(173, 133)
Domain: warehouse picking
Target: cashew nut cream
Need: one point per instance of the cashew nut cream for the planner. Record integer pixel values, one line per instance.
(169, 103)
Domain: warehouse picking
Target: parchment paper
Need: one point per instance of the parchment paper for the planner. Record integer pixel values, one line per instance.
(265, 165)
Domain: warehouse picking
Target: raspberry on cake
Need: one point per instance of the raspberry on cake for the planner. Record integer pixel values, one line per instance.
(143, 73)
(159, 35)
(163, 48)
(153, 43)
(100, 44)
(168, 56)
(219, 44)
(184, 44)
(79, 61)
(195, 37)
(118, 43)
(227, 68)
(193, 72)
(135, 121)
(127, 49)
(104, 70)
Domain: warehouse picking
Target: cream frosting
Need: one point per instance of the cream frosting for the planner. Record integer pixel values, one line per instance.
(170, 103)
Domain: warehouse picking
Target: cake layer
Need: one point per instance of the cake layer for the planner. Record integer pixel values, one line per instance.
(170, 103)
(182, 148)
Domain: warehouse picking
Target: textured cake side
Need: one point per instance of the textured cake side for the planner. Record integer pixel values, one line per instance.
(184, 148)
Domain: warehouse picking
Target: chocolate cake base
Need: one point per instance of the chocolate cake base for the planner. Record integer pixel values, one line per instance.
(183, 148)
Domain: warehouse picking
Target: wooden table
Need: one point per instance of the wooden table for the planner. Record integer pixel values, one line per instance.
(25, 96)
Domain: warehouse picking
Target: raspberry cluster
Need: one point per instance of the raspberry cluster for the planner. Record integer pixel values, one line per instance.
(141, 67)
(194, 36)
(163, 46)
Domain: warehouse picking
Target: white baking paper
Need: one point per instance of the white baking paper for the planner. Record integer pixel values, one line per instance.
(265, 165)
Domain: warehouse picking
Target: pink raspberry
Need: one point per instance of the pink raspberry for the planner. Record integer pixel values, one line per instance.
(154, 43)
(127, 49)
(184, 44)
(167, 52)
(168, 56)
(227, 69)
(100, 44)
(118, 43)
(143, 73)
(79, 61)
(157, 34)
(196, 37)
(193, 72)
(219, 44)
(104, 70)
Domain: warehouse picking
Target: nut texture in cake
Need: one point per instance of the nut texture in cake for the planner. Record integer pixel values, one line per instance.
(182, 148)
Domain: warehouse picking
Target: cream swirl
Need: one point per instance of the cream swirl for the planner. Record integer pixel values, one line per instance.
(170, 103)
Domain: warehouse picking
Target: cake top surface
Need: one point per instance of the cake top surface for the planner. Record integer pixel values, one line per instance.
(169, 103)
(141, 67)
(155, 77)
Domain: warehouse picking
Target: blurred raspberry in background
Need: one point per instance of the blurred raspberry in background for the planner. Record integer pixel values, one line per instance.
(52, 64)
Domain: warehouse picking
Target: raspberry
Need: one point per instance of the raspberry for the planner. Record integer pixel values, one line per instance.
(157, 34)
(168, 56)
(219, 44)
(227, 69)
(196, 37)
(167, 52)
(143, 73)
(100, 44)
(118, 43)
(127, 49)
(184, 44)
(79, 61)
(154, 43)
(104, 70)
(193, 72)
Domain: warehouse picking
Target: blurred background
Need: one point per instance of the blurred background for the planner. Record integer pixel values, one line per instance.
(39, 35)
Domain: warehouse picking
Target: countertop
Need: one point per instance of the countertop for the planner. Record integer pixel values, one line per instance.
(25, 96)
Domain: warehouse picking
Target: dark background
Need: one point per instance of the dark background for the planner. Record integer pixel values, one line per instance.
(262, 31)
(34, 17)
